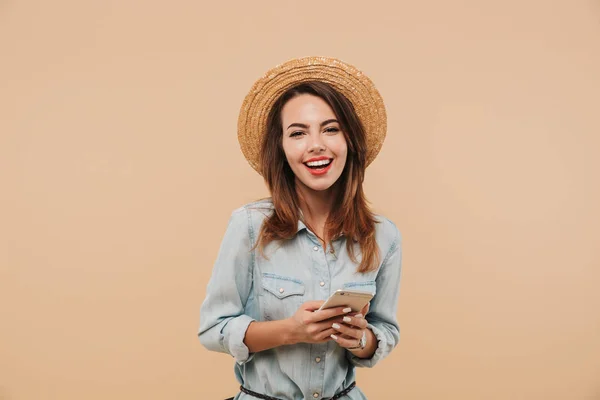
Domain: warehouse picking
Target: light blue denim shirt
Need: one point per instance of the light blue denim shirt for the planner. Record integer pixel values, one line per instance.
(246, 287)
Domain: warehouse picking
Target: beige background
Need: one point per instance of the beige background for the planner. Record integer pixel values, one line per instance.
(119, 167)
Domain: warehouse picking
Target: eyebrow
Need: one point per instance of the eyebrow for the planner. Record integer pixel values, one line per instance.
(327, 121)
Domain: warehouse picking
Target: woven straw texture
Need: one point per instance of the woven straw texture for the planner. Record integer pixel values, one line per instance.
(344, 77)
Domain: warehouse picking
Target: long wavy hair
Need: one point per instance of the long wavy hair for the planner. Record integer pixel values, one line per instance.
(351, 215)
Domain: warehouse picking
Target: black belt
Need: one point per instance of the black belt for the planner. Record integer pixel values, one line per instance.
(265, 397)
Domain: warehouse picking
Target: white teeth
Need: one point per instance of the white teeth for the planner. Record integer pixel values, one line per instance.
(318, 163)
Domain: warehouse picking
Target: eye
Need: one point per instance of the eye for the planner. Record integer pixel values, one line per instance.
(296, 133)
(332, 129)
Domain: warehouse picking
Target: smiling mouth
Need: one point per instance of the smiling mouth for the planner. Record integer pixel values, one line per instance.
(319, 165)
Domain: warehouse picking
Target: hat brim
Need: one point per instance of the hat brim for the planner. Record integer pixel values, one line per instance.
(345, 78)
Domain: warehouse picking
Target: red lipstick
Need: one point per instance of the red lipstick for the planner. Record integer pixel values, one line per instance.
(319, 170)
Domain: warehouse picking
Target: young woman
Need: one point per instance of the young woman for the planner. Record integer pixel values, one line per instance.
(310, 126)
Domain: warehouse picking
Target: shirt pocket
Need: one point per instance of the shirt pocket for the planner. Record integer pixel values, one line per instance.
(281, 297)
(363, 286)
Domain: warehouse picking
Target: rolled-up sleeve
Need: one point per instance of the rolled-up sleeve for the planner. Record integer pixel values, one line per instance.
(223, 323)
(381, 318)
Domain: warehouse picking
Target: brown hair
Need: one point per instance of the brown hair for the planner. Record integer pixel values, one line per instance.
(351, 215)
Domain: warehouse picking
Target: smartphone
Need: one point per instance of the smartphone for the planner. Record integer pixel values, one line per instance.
(355, 299)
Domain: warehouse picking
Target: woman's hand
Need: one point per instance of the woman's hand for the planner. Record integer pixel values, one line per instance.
(308, 325)
(349, 333)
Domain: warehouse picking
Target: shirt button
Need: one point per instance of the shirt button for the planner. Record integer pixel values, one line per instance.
(318, 359)
(281, 290)
(315, 395)
(316, 248)
(322, 283)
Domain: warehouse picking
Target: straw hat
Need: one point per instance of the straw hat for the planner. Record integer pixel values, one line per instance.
(345, 78)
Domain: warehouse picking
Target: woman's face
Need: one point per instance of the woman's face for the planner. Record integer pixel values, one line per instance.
(314, 145)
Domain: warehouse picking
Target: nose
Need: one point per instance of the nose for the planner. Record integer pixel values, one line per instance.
(316, 144)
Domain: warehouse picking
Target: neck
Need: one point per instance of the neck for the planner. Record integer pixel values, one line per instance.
(316, 206)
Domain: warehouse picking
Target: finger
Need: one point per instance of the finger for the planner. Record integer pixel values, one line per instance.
(330, 321)
(330, 313)
(323, 325)
(365, 309)
(345, 342)
(327, 323)
(348, 331)
(326, 334)
(344, 336)
(357, 321)
(312, 305)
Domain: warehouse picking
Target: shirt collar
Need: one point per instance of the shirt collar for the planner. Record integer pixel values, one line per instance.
(302, 226)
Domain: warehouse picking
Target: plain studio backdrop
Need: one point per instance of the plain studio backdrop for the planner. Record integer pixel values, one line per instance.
(120, 166)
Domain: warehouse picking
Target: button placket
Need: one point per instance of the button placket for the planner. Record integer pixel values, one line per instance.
(317, 371)
(332, 253)
(320, 275)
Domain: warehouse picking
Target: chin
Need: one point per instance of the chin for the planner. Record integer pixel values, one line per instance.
(319, 186)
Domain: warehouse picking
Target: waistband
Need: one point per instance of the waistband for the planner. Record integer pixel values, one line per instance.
(265, 397)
